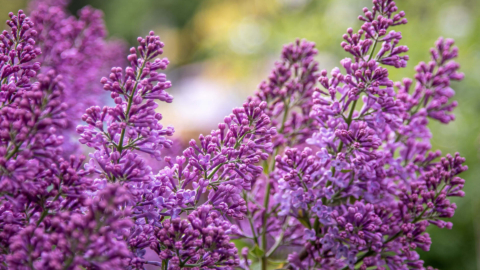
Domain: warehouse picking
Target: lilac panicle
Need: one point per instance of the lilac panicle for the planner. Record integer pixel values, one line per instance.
(287, 93)
(59, 190)
(207, 182)
(432, 91)
(18, 119)
(76, 49)
(123, 134)
(71, 240)
(116, 133)
(221, 165)
(360, 196)
(32, 109)
(363, 206)
(200, 241)
(288, 90)
(36, 183)
(217, 169)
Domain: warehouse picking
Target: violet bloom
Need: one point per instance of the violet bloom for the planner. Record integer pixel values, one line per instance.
(361, 196)
(76, 49)
(32, 110)
(368, 207)
(123, 134)
(201, 241)
(133, 124)
(72, 239)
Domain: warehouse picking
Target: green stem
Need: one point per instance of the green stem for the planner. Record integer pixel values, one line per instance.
(279, 239)
(215, 170)
(264, 224)
(373, 49)
(249, 216)
(268, 188)
(14, 151)
(285, 114)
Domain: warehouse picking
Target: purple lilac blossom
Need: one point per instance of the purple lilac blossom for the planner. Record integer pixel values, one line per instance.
(200, 241)
(360, 196)
(368, 207)
(73, 240)
(38, 188)
(212, 173)
(121, 135)
(30, 114)
(76, 49)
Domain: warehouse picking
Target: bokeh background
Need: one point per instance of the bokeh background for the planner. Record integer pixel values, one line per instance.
(221, 50)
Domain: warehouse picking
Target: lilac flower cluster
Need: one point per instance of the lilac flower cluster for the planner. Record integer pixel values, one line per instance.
(70, 47)
(373, 187)
(74, 239)
(207, 179)
(31, 109)
(44, 197)
(288, 93)
(199, 241)
(334, 170)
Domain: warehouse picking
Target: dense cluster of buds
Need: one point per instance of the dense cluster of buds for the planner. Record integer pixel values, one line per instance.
(334, 170)
(76, 49)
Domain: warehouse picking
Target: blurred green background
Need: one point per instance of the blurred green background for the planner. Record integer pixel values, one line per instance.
(220, 50)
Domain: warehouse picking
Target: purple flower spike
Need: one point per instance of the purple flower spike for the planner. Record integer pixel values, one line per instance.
(222, 164)
(71, 240)
(360, 196)
(200, 241)
(77, 50)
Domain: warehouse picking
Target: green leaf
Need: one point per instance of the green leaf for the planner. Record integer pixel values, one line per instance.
(305, 223)
(257, 251)
(345, 171)
(240, 243)
(265, 167)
